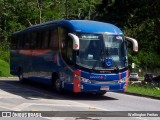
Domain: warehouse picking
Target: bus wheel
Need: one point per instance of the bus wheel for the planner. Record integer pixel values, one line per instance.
(20, 75)
(58, 85)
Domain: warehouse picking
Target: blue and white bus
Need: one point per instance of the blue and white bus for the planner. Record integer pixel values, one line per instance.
(74, 55)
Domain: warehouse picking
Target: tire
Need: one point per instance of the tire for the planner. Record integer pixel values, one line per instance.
(20, 75)
(58, 85)
(100, 93)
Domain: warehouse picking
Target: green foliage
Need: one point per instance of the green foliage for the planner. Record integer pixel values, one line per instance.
(144, 89)
(148, 56)
(140, 20)
(82, 9)
(4, 69)
(4, 51)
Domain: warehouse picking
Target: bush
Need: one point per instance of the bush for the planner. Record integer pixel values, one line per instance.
(144, 89)
(4, 69)
(4, 51)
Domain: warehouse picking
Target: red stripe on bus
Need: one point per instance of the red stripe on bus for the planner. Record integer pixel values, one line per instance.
(39, 52)
(33, 52)
(77, 82)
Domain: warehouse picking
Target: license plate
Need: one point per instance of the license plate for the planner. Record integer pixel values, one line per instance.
(104, 88)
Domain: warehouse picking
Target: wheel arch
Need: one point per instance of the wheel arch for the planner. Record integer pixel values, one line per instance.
(55, 75)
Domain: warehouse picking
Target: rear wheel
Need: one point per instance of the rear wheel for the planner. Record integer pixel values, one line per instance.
(20, 75)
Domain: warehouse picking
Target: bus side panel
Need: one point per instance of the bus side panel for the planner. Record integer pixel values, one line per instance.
(20, 61)
(44, 63)
(37, 65)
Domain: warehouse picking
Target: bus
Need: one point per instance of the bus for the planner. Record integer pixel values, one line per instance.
(73, 55)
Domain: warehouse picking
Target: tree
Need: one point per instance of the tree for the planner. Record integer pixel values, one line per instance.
(81, 9)
(140, 20)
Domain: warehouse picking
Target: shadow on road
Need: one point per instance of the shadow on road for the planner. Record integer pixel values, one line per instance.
(33, 90)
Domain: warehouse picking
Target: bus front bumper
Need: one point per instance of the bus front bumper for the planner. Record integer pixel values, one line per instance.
(87, 87)
(120, 87)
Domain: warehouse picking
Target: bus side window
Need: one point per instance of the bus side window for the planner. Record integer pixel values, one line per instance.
(69, 48)
(66, 45)
(54, 39)
(33, 40)
(27, 40)
(19, 41)
(39, 40)
(45, 39)
(62, 38)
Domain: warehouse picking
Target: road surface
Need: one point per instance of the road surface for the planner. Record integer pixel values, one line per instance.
(36, 97)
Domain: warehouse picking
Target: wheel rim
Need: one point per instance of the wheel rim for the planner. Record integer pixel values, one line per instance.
(21, 76)
(58, 85)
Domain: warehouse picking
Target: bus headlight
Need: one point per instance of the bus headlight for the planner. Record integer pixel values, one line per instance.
(121, 80)
(83, 79)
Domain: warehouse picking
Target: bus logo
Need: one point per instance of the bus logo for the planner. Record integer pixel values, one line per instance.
(97, 77)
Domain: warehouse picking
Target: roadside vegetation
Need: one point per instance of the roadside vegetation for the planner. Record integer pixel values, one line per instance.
(4, 69)
(4, 58)
(144, 89)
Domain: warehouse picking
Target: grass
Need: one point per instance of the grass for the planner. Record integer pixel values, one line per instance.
(4, 69)
(144, 89)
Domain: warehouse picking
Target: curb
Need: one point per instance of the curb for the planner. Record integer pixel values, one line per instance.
(2, 78)
(140, 95)
(9, 77)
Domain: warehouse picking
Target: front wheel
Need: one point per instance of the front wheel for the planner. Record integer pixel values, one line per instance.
(58, 85)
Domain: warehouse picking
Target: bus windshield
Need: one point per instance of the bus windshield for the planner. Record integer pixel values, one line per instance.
(96, 48)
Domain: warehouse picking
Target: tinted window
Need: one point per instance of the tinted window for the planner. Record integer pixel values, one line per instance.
(33, 40)
(63, 41)
(66, 44)
(39, 40)
(45, 40)
(54, 39)
(20, 41)
(27, 41)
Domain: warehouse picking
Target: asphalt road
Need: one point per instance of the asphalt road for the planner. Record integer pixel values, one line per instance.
(36, 97)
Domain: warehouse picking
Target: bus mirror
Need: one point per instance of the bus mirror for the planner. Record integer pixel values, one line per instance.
(75, 41)
(134, 42)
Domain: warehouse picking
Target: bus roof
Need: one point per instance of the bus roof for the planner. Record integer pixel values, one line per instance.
(77, 26)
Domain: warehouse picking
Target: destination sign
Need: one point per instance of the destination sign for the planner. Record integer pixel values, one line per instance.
(89, 37)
